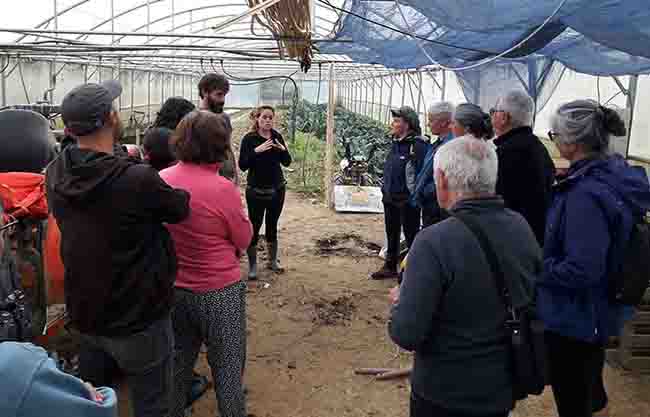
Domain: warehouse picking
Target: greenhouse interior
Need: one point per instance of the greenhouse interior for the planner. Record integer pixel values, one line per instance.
(336, 72)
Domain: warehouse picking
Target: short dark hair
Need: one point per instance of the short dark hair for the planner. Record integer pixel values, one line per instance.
(202, 137)
(172, 112)
(157, 147)
(211, 82)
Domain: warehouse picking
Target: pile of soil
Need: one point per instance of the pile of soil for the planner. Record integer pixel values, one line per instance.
(335, 312)
(346, 244)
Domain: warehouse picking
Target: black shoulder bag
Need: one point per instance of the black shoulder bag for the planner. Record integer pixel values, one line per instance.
(525, 332)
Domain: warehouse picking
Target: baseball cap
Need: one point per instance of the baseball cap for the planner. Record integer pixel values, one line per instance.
(409, 115)
(84, 109)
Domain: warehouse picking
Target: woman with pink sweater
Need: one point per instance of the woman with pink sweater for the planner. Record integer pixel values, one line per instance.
(210, 298)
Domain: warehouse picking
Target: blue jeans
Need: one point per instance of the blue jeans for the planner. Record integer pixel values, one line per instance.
(145, 358)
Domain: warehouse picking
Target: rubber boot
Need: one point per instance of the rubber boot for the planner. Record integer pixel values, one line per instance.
(274, 263)
(252, 263)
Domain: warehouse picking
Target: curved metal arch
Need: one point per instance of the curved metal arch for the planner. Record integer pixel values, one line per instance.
(147, 3)
(186, 11)
(55, 16)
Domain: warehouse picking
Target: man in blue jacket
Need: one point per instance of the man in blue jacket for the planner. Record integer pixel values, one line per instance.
(401, 169)
(440, 120)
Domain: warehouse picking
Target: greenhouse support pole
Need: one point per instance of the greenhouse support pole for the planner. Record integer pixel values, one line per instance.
(365, 106)
(85, 74)
(368, 88)
(3, 80)
(631, 103)
(372, 100)
(443, 95)
(149, 97)
(390, 98)
(381, 98)
(162, 88)
(329, 147)
(132, 92)
(419, 92)
(403, 89)
(119, 80)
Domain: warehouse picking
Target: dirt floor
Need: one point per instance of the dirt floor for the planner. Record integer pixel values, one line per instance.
(311, 327)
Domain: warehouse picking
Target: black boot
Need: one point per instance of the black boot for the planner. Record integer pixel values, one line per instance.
(274, 263)
(388, 271)
(252, 262)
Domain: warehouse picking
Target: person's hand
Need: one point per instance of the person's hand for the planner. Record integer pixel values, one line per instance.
(394, 294)
(94, 394)
(279, 146)
(264, 147)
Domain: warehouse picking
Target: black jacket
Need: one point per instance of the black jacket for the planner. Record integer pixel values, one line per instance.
(264, 168)
(526, 175)
(120, 261)
(449, 311)
(397, 177)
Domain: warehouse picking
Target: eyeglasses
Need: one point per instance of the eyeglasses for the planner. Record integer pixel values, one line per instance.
(494, 111)
(552, 135)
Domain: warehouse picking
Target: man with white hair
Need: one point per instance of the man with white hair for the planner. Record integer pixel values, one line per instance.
(440, 120)
(526, 171)
(461, 357)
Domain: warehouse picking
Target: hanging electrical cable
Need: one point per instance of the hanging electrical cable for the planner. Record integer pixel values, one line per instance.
(252, 81)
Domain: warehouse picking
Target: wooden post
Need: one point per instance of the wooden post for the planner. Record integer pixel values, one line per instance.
(330, 143)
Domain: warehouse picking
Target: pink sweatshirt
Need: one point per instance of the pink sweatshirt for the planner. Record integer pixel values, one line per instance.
(209, 241)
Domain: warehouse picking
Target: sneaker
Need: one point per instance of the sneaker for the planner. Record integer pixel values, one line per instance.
(384, 273)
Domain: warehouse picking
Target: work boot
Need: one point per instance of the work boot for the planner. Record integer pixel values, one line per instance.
(252, 262)
(386, 272)
(274, 263)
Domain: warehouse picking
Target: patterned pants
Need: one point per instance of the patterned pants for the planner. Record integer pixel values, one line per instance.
(218, 319)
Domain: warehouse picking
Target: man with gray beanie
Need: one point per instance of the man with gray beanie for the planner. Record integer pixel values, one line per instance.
(120, 261)
(526, 171)
(403, 164)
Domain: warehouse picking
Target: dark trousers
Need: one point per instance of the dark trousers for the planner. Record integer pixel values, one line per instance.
(423, 408)
(576, 375)
(397, 217)
(218, 320)
(431, 214)
(145, 358)
(271, 208)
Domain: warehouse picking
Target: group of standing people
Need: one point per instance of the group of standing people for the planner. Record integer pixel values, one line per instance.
(558, 242)
(152, 251)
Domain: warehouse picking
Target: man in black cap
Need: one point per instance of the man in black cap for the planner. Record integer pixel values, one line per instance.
(401, 169)
(120, 262)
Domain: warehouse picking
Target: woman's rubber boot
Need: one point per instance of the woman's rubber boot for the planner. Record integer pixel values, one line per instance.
(252, 263)
(274, 263)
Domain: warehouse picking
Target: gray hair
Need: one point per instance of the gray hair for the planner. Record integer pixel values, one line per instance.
(442, 107)
(588, 123)
(519, 106)
(469, 164)
(474, 120)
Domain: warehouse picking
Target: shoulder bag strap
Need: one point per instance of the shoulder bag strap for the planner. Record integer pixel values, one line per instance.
(491, 256)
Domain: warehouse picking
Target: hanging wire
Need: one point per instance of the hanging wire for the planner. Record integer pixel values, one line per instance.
(252, 81)
(6, 65)
(598, 88)
(468, 67)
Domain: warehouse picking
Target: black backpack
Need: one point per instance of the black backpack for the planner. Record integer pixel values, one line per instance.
(15, 313)
(629, 284)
